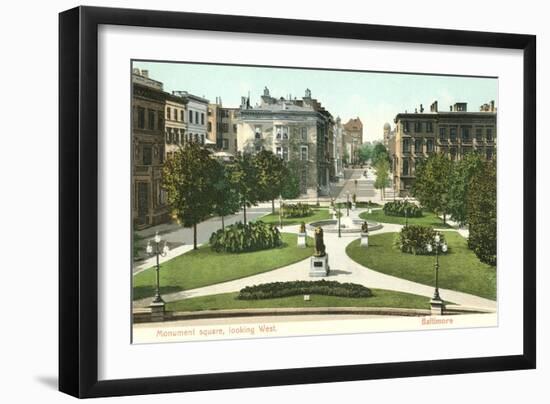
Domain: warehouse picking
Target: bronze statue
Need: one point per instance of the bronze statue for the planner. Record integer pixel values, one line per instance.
(302, 227)
(365, 228)
(319, 244)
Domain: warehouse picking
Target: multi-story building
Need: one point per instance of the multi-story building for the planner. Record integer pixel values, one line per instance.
(387, 135)
(222, 126)
(454, 133)
(339, 147)
(297, 130)
(175, 125)
(353, 138)
(197, 121)
(148, 137)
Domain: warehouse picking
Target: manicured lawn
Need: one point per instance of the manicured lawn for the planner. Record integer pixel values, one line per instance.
(380, 298)
(429, 219)
(318, 214)
(460, 269)
(204, 267)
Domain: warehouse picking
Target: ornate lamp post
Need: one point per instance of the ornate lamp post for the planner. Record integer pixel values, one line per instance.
(347, 203)
(339, 216)
(436, 302)
(156, 249)
(406, 212)
(281, 212)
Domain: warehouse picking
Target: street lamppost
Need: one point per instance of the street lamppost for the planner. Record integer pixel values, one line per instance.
(436, 302)
(156, 250)
(347, 203)
(281, 212)
(406, 212)
(339, 216)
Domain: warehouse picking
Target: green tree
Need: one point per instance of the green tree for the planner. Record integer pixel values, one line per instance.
(225, 196)
(382, 180)
(462, 174)
(379, 152)
(244, 179)
(291, 185)
(271, 172)
(188, 178)
(431, 186)
(482, 213)
(365, 152)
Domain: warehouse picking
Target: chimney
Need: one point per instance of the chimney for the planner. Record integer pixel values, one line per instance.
(433, 107)
(492, 105)
(421, 109)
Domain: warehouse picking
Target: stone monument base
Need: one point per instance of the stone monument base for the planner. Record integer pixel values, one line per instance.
(157, 311)
(364, 240)
(319, 266)
(437, 307)
(302, 240)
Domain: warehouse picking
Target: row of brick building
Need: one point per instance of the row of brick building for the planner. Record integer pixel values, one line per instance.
(300, 131)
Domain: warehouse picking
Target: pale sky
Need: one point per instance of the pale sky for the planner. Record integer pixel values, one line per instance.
(374, 97)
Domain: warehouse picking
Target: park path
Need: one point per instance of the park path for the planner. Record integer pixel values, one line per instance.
(342, 269)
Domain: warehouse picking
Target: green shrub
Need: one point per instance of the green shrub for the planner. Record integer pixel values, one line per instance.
(402, 208)
(296, 210)
(295, 288)
(241, 237)
(413, 239)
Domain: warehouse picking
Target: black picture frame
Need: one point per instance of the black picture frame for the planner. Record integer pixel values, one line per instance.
(78, 196)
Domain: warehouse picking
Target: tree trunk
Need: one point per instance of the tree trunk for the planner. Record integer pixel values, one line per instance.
(223, 224)
(273, 206)
(244, 212)
(444, 218)
(195, 236)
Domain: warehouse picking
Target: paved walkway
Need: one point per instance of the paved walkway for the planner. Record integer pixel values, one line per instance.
(342, 269)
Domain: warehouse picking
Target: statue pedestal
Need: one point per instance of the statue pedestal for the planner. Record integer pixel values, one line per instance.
(437, 307)
(364, 240)
(319, 266)
(302, 240)
(157, 311)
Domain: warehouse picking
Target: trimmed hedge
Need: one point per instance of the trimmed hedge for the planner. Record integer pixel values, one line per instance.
(295, 288)
(402, 208)
(240, 237)
(296, 210)
(413, 240)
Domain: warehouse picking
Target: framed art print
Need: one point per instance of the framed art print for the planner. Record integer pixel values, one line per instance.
(250, 201)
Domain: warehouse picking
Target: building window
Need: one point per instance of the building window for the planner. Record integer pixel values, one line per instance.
(202, 138)
(418, 146)
(225, 144)
(303, 153)
(479, 134)
(202, 118)
(175, 114)
(196, 117)
(405, 167)
(141, 118)
(285, 153)
(168, 111)
(258, 132)
(181, 115)
(442, 133)
(304, 134)
(406, 146)
(465, 134)
(279, 151)
(429, 127)
(453, 153)
(196, 138)
(190, 116)
(452, 134)
(209, 126)
(151, 120)
(429, 145)
(418, 126)
(489, 153)
(489, 134)
(405, 126)
(234, 128)
(235, 144)
(147, 155)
